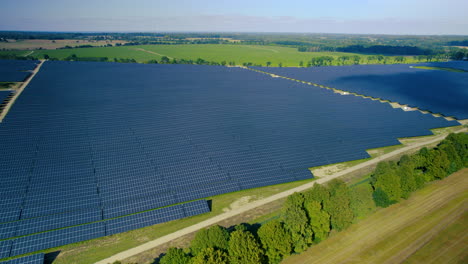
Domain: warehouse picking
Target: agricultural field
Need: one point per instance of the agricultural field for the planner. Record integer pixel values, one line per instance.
(429, 227)
(239, 54)
(35, 44)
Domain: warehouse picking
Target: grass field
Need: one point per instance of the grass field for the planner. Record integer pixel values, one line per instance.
(209, 52)
(427, 228)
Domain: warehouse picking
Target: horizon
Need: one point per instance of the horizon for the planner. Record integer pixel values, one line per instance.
(361, 17)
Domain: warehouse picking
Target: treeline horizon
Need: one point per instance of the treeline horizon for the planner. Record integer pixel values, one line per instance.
(312, 42)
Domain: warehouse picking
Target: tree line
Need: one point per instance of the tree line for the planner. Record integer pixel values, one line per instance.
(307, 218)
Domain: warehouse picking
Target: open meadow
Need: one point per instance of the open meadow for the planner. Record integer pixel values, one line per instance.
(239, 54)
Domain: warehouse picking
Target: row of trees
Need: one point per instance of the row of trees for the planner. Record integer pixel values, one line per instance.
(392, 181)
(307, 218)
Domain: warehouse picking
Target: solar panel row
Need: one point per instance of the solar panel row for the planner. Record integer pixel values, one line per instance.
(436, 91)
(31, 259)
(55, 238)
(16, 70)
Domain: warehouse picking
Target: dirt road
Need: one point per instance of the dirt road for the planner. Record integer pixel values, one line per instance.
(157, 242)
(20, 90)
(152, 52)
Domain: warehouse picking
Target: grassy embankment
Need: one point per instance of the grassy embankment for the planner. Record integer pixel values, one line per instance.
(209, 52)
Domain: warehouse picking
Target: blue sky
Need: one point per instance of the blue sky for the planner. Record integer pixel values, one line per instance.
(323, 16)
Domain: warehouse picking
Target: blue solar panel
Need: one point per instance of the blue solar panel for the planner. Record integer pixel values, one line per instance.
(32, 259)
(16, 70)
(153, 217)
(132, 137)
(57, 238)
(5, 247)
(50, 222)
(437, 91)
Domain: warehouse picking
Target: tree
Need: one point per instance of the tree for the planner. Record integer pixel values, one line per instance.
(296, 222)
(385, 177)
(339, 205)
(46, 56)
(211, 256)
(244, 248)
(280, 64)
(268, 63)
(275, 240)
(175, 256)
(318, 193)
(164, 59)
(381, 198)
(214, 237)
(452, 155)
(301, 64)
(439, 164)
(407, 180)
(319, 220)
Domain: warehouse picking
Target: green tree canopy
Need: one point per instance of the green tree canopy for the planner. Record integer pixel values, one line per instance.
(319, 220)
(296, 222)
(214, 237)
(386, 178)
(175, 256)
(275, 240)
(339, 205)
(244, 248)
(211, 256)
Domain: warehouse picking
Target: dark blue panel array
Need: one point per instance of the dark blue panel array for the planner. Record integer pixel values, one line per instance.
(57, 238)
(4, 95)
(32, 259)
(130, 137)
(461, 65)
(131, 222)
(5, 248)
(16, 70)
(440, 91)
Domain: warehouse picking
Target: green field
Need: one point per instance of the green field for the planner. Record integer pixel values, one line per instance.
(239, 54)
(429, 227)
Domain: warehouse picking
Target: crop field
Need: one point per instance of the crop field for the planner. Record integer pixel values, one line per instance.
(429, 227)
(239, 54)
(132, 145)
(33, 44)
(437, 91)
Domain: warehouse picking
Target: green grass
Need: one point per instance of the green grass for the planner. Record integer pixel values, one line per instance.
(440, 69)
(6, 85)
(240, 54)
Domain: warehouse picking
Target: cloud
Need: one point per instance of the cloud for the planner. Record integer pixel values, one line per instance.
(242, 23)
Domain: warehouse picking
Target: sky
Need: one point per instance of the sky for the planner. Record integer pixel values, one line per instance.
(421, 17)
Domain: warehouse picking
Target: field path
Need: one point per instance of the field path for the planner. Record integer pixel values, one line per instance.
(215, 219)
(152, 52)
(20, 90)
(31, 52)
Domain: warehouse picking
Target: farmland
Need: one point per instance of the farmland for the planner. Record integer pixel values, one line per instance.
(239, 54)
(33, 44)
(414, 231)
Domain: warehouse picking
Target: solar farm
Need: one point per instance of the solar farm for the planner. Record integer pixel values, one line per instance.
(94, 149)
(440, 92)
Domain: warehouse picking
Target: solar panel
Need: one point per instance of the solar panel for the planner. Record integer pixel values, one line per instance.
(31, 259)
(5, 247)
(133, 137)
(57, 238)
